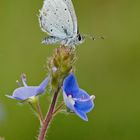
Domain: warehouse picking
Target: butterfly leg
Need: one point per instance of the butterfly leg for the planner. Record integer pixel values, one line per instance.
(70, 43)
(51, 40)
(67, 43)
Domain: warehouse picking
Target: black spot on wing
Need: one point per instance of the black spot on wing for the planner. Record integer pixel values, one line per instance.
(65, 31)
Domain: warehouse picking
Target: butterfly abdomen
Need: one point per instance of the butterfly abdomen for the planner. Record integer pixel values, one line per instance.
(51, 40)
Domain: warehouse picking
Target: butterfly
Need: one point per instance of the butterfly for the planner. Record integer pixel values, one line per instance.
(58, 19)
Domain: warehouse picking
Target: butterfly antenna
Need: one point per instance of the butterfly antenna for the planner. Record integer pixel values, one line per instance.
(94, 37)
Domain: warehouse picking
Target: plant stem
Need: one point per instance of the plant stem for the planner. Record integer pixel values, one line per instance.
(58, 108)
(38, 108)
(48, 117)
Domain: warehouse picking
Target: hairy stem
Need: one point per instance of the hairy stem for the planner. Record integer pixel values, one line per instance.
(48, 117)
(39, 112)
(37, 109)
(58, 108)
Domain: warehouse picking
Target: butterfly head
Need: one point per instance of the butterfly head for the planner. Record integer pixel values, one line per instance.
(74, 41)
(80, 39)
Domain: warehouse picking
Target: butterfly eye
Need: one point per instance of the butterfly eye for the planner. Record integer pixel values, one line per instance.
(79, 38)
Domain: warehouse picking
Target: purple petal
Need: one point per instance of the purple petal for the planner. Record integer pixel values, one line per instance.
(43, 85)
(24, 93)
(11, 97)
(81, 114)
(84, 102)
(67, 101)
(70, 85)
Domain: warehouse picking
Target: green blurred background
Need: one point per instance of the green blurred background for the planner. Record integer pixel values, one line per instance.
(109, 69)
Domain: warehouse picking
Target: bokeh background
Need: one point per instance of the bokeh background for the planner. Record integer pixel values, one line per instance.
(109, 69)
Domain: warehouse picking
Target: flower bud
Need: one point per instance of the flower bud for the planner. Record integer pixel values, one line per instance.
(61, 64)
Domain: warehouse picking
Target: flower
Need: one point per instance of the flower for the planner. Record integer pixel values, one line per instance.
(77, 99)
(28, 92)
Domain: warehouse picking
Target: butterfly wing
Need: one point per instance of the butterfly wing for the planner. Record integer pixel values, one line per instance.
(56, 20)
(73, 15)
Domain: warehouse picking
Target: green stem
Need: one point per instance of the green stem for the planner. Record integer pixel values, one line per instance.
(36, 107)
(58, 108)
(39, 111)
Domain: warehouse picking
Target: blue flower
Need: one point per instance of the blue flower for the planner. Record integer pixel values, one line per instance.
(77, 99)
(27, 92)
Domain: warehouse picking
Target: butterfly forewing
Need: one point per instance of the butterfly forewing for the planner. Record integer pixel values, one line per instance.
(56, 18)
(73, 15)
